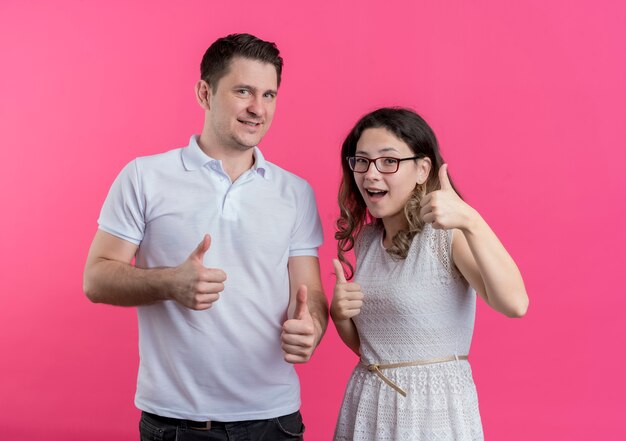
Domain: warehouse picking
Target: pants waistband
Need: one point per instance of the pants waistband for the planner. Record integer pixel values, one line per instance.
(196, 425)
(377, 367)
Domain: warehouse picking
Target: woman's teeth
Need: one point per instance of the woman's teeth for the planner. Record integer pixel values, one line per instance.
(376, 192)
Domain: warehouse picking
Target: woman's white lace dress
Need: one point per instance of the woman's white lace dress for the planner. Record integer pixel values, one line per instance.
(420, 308)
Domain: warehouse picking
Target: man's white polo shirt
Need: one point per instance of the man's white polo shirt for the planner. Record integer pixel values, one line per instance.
(226, 363)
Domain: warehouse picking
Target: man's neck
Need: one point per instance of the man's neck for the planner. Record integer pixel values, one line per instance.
(235, 162)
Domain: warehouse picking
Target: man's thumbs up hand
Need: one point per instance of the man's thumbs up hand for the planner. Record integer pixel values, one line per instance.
(194, 285)
(298, 336)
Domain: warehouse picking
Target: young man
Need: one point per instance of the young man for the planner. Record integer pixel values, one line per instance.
(220, 321)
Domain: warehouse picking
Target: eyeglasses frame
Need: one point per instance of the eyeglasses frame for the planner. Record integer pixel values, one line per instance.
(369, 163)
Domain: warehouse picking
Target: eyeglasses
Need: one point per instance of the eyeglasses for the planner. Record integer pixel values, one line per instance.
(384, 164)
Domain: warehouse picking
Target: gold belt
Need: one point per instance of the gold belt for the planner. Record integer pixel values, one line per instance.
(377, 367)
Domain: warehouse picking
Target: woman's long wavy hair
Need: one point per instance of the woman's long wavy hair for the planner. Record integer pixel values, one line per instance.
(411, 128)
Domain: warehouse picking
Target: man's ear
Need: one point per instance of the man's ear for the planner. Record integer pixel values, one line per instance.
(423, 169)
(203, 94)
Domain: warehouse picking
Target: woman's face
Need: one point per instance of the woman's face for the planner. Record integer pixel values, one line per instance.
(386, 194)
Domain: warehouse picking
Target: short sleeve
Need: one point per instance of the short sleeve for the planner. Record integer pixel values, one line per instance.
(122, 214)
(307, 235)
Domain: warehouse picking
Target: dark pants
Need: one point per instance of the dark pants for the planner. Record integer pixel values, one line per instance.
(284, 428)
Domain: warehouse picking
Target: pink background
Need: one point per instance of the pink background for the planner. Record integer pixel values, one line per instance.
(528, 101)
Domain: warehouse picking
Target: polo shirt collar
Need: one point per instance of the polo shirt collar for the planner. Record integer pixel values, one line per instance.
(194, 158)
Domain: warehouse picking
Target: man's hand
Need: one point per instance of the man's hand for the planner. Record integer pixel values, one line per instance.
(194, 285)
(298, 336)
(347, 297)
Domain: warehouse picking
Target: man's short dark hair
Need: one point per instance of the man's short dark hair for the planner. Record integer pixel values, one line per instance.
(217, 58)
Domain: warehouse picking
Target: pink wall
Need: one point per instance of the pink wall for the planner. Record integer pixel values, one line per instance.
(528, 101)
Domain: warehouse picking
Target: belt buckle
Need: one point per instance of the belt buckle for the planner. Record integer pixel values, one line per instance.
(207, 426)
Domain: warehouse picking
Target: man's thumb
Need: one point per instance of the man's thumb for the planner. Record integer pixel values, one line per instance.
(301, 305)
(202, 248)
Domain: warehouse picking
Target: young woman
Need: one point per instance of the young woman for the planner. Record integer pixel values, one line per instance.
(422, 253)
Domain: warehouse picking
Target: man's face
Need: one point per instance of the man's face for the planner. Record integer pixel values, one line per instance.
(242, 107)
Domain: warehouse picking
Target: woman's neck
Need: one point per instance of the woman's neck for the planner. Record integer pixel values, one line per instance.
(392, 226)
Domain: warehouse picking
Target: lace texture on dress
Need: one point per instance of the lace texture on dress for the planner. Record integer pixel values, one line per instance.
(419, 308)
